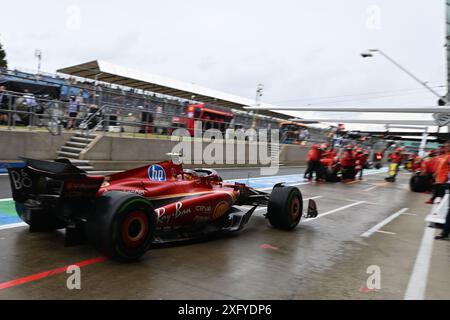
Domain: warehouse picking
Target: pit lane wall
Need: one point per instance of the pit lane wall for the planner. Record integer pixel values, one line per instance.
(30, 144)
(112, 152)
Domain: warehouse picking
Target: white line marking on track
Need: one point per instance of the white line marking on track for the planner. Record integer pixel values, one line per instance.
(368, 202)
(305, 199)
(6, 199)
(13, 225)
(418, 281)
(371, 188)
(386, 232)
(336, 210)
(380, 225)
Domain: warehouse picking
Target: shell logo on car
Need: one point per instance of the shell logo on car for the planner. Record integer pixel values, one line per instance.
(221, 208)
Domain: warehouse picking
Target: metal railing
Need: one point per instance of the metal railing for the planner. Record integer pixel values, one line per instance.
(32, 113)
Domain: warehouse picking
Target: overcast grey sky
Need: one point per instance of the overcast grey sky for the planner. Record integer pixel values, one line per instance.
(300, 50)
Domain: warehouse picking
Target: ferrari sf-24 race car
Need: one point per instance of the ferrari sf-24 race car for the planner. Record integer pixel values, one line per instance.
(123, 214)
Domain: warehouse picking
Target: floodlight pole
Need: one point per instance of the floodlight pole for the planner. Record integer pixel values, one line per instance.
(398, 65)
(38, 55)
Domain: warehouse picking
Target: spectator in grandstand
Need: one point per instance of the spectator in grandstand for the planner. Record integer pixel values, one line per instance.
(4, 105)
(73, 109)
(147, 119)
(160, 121)
(29, 99)
(304, 135)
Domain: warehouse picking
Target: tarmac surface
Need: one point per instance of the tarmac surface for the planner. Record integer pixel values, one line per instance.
(369, 241)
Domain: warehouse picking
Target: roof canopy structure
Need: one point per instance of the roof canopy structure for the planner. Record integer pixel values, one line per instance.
(107, 72)
(425, 109)
(392, 121)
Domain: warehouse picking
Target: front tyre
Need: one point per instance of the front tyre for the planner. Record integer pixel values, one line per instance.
(122, 226)
(285, 207)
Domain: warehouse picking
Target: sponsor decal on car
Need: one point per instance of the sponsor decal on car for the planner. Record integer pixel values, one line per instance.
(203, 209)
(164, 218)
(221, 208)
(156, 173)
(135, 191)
(20, 179)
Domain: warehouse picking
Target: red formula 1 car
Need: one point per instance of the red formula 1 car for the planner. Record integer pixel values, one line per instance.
(125, 213)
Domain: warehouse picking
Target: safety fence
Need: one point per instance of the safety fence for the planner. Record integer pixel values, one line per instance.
(24, 111)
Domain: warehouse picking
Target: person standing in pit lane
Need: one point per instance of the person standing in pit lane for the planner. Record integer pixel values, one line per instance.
(443, 172)
(440, 173)
(348, 162)
(428, 169)
(395, 159)
(313, 160)
(361, 161)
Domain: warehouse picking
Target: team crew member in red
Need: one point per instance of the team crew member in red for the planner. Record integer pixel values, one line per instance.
(397, 158)
(314, 165)
(427, 169)
(361, 161)
(440, 174)
(348, 162)
(428, 165)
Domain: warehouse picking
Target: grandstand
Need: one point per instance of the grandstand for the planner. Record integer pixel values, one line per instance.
(129, 96)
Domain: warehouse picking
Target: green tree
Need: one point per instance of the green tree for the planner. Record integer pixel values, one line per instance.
(3, 62)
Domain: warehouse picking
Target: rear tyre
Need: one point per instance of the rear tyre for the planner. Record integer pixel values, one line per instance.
(285, 207)
(122, 226)
(419, 183)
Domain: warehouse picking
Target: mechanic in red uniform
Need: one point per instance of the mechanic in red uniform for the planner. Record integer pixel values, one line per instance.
(348, 162)
(443, 177)
(428, 165)
(313, 160)
(440, 174)
(361, 161)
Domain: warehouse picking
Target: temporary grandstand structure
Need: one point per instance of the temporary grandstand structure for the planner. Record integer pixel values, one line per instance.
(103, 71)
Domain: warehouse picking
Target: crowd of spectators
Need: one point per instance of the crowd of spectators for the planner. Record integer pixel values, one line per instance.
(156, 113)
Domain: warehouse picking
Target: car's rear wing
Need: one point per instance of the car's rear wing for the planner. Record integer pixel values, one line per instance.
(45, 181)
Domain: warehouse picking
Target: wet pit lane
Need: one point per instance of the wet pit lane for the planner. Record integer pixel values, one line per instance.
(323, 258)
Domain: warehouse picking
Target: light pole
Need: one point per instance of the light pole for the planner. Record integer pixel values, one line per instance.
(259, 94)
(370, 53)
(38, 55)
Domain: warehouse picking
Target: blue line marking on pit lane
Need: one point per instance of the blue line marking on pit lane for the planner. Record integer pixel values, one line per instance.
(4, 219)
(270, 181)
